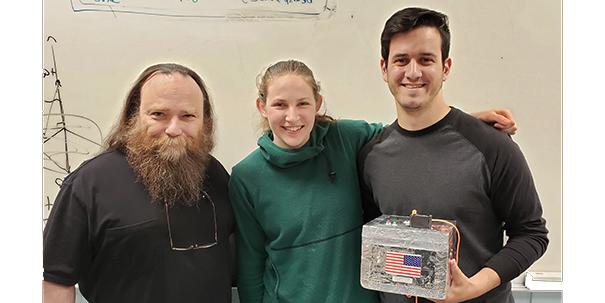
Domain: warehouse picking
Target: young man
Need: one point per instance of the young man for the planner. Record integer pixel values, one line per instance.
(440, 161)
(149, 219)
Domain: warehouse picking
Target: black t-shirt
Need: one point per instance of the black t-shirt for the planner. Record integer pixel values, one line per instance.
(463, 170)
(104, 234)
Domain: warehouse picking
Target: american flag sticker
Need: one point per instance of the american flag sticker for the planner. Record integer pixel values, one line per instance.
(401, 264)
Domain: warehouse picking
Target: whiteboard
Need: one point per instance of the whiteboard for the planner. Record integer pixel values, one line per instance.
(215, 9)
(505, 54)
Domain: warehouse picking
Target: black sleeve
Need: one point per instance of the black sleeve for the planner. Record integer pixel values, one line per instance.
(221, 178)
(516, 202)
(233, 260)
(368, 205)
(514, 199)
(66, 249)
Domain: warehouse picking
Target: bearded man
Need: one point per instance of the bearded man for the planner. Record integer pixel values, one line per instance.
(148, 219)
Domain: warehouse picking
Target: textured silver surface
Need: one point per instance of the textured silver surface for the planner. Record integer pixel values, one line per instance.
(393, 233)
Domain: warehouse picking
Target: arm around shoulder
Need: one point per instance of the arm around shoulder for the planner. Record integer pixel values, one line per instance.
(501, 119)
(58, 293)
(359, 132)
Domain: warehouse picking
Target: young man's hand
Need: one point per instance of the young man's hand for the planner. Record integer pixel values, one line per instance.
(463, 288)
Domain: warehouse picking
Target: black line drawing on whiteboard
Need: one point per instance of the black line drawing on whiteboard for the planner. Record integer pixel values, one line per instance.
(67, 138)
(214, 9)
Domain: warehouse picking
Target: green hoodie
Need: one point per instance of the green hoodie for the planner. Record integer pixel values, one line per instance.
(299, 218)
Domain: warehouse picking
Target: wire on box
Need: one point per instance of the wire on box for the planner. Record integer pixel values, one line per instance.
(458, 237)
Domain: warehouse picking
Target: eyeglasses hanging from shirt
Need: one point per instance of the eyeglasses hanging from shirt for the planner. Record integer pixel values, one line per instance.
(192, 227)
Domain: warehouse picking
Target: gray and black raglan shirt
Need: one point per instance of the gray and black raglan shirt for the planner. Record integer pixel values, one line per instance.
(464, 170)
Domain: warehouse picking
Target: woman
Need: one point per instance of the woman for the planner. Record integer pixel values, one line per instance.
(296, 198)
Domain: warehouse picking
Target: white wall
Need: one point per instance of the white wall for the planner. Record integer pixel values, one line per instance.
(505, 54)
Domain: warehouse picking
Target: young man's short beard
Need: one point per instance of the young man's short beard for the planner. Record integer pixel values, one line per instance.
(171, 169)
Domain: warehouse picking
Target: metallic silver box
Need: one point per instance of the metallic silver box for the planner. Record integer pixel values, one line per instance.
(398, 258)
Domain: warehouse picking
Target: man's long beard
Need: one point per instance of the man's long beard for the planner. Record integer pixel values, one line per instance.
(171, 169)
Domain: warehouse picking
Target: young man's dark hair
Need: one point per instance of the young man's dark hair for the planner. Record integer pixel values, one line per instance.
(453, 166)
(411, 18)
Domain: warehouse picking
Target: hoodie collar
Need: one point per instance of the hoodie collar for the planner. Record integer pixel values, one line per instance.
(285, 158)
